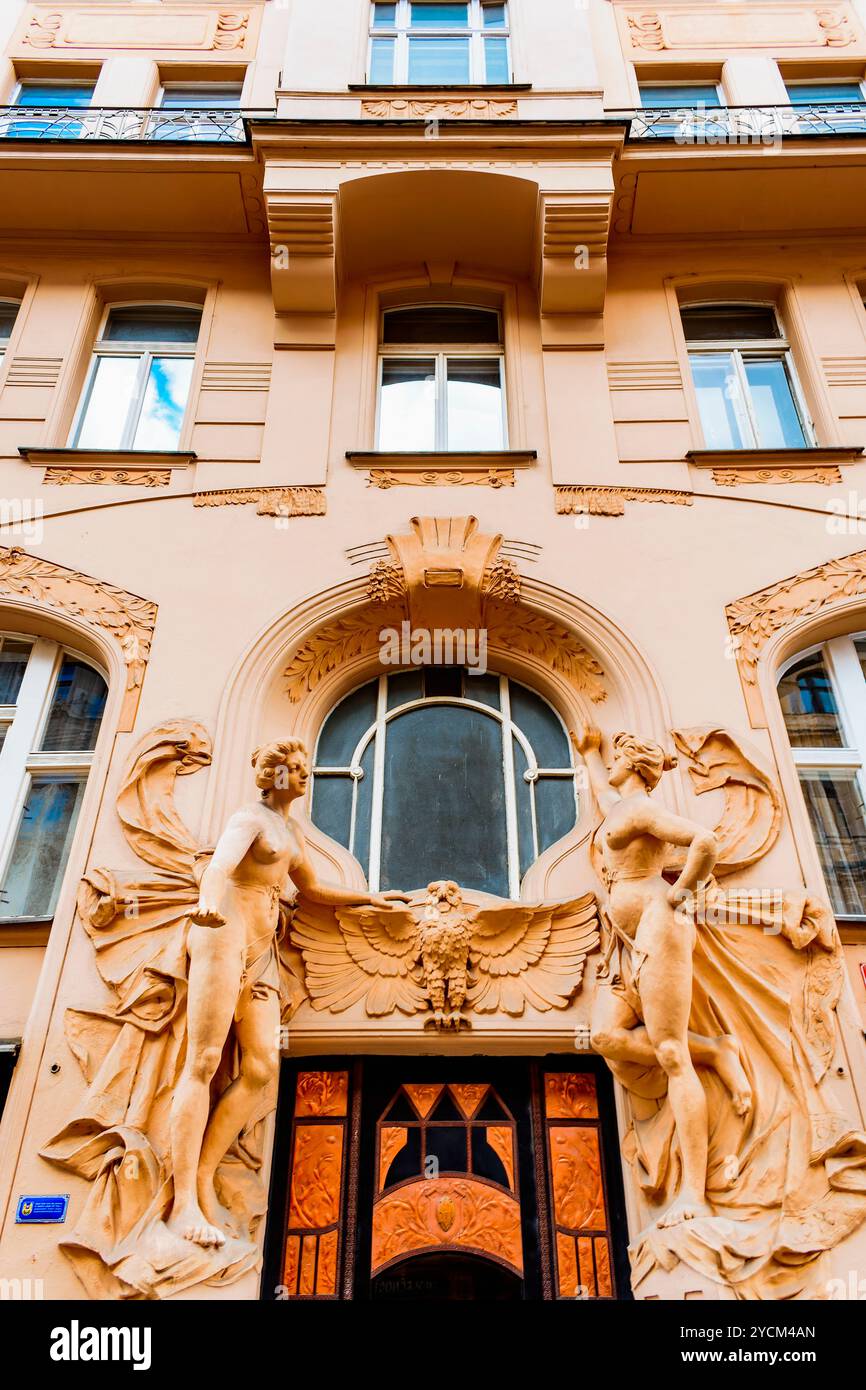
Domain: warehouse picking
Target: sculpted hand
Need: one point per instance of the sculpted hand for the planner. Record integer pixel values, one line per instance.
(387, 900)
(207, 916)
(587, 741)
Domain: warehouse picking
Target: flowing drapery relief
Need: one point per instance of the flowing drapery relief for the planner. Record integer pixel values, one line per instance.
(716, 1010)
(132, 1053)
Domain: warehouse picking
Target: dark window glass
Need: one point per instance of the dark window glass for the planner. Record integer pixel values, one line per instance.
(537, 721)
(486, 1162)
(157, 323)
(729, 322)
(555, 809)
(35, 870)
(809, 705)
(443, 682)
(839, 824)
(8, 315)
(405, 686)
(13, 663)
(484, 689)
(332, 807)
(407, 1163)
(345, 725)
(450, 324)
(76, 708)
(444, 804)
(448, 1143)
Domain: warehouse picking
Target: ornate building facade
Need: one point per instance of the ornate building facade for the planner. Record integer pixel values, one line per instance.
(409, 398)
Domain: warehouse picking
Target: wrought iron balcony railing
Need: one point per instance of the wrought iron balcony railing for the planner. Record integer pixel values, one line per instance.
(221, 126)
(725, 125)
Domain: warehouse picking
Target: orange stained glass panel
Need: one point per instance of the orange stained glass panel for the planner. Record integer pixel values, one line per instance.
(587, 1269)
(499, 1139)
(602, 1266)
(326, 1275)
(317, 1170)
(570, 1096)
(392, 1138)
(461, 1213)
(566, 1260)
(575, 1164)
(293, 1255)
(468, 1098)
(321, 1093)
(424, 1097)
(308, 1266)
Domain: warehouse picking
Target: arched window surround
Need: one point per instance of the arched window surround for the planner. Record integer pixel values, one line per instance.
(374, 737)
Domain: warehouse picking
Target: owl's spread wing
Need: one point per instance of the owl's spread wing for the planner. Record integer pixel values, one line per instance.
(530, 954)
(353, 953)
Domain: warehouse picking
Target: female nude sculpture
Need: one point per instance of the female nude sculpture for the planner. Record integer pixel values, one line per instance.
(234, 980)
(643, 1018)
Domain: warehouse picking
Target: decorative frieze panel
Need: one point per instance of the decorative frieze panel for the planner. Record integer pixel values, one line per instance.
(108, 477)
(138, 27)
(411, 108)
(271, 501)
(723, 27)
(610, 501)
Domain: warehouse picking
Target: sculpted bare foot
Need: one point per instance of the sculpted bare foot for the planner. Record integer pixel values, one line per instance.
(687, 1207)
(215, 1213)
(191, 1224)
(730, 1069)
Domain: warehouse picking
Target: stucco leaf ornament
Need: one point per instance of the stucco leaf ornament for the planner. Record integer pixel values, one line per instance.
(445, 954)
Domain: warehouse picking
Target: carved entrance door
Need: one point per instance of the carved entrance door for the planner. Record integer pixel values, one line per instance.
(432, 1178)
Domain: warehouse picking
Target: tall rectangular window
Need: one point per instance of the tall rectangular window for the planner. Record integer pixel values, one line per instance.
(828, 107)
(53, 105)
(137, 388)
(678, 110)
(419, 43)
(199, 111)
(744, 378)
(441, 380)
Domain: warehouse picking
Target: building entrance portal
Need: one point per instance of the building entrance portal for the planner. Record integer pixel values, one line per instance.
(412, 1180)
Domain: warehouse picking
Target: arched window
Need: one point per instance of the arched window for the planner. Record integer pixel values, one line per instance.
(823, 698)
(51, 706)
(439, 773)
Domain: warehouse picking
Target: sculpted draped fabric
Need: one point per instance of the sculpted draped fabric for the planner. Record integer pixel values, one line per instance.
(131, 1053)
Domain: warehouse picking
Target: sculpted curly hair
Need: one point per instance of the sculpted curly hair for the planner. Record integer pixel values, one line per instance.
(649, 760)
(271, 756)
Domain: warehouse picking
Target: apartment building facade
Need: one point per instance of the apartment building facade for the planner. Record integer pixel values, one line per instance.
(424, 382)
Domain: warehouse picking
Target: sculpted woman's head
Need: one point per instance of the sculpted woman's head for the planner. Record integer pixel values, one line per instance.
(282, 768)
(635, 755)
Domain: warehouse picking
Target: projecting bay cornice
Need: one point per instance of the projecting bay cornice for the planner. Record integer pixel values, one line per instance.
(515, 200)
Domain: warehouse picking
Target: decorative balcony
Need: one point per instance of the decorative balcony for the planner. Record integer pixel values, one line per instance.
(742, 125)
(212, 126)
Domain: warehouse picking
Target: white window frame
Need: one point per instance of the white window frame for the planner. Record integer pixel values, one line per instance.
(693, 121)
(802, 123)
(378, 731)
(739, 350)
(25, 721)
(148, 351)
(848, 683)
(442, 353)
(402, 29)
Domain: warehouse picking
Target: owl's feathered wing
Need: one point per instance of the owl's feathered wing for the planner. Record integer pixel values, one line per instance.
(353, 953)
(523, 954)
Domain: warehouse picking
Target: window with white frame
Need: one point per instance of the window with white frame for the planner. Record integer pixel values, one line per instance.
(51, 707)
(439, 772)
(744, 378)
(441, 379)
(823, 698)
(415, 42)
(222, 99)
(683, 107)
(137, 388)
(8, 314)
(822, 106)
(52, 101)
